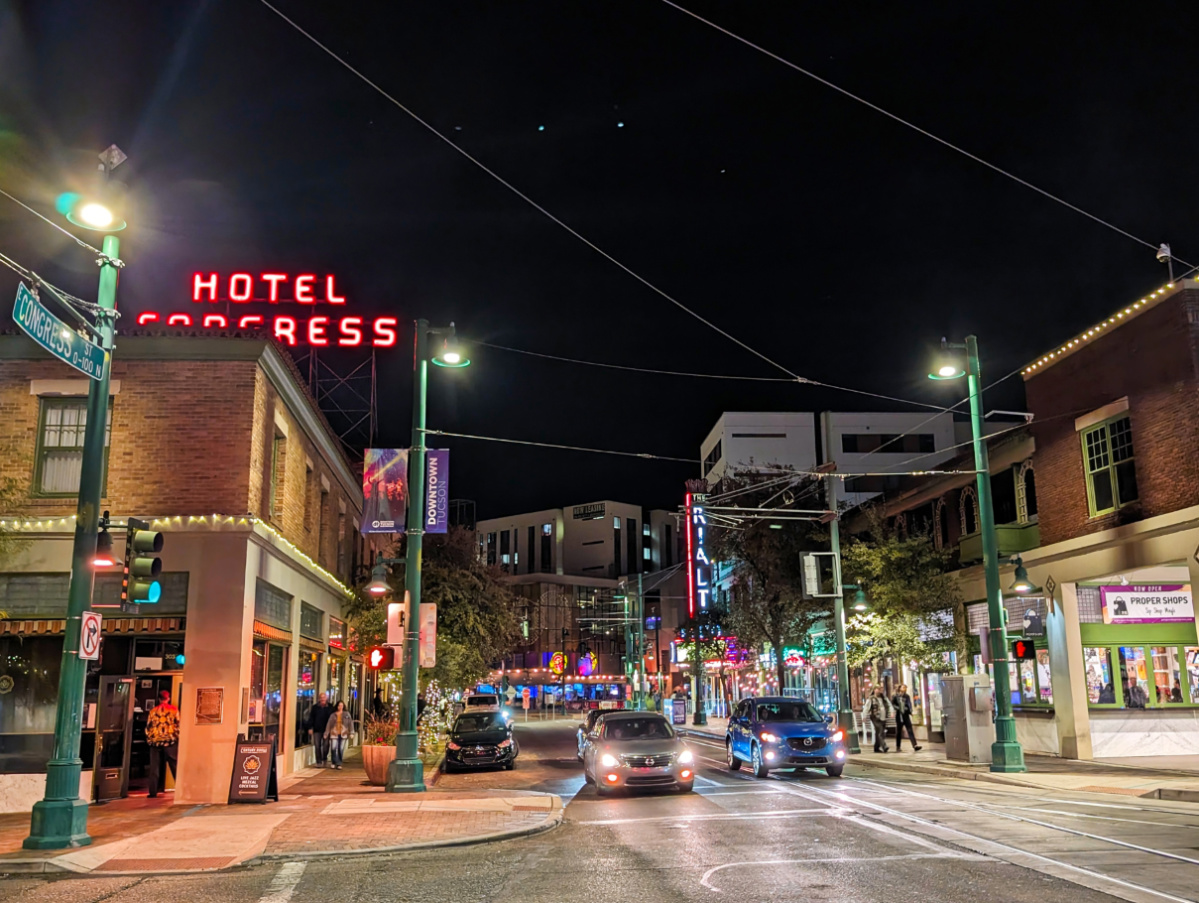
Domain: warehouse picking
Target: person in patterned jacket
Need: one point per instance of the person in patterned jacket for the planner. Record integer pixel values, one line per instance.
(162, 735)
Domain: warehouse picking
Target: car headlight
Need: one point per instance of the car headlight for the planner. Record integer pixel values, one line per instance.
(685, 757)
(838, 736)
(768, 737)
(452, 745)
(504, 744)
(608, 760)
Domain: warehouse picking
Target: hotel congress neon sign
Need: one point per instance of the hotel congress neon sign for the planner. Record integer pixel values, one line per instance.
(302, 326)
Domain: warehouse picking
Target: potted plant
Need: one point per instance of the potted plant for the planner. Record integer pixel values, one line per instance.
(378, 748)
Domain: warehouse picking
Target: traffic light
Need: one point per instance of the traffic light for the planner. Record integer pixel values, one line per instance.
(381, 658)
(142, 564)
(1023, 651)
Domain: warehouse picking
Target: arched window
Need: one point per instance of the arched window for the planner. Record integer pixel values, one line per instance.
(1026, 494)
(941, 524)
(968, 510)
(901, 526)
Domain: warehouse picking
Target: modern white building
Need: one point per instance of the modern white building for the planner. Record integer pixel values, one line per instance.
(862, 443)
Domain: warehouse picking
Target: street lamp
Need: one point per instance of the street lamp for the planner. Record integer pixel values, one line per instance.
(1022, 585)
(104, 557)
(1006, 753)
(59, 819)
(379, 585)
(406, 774)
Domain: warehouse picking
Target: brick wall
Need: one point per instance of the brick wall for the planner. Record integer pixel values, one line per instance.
(1151, 359)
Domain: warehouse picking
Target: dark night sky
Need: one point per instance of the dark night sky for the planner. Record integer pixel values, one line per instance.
(829, 237)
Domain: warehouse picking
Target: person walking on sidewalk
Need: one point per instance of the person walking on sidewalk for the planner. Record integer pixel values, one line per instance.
(902, 703)
(162, 736)
(318, 720)
(878, 710)
(337, 733)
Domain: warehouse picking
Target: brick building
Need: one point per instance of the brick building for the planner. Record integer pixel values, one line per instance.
(1099, 495)
(217, 443)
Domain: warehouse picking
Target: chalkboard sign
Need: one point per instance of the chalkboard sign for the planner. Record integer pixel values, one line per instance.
(254, 779)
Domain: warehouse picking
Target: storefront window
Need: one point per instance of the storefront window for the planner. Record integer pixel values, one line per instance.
(1028, 683)
(1044, 678)
(1134, 677)
(273, 697)
(310, 665)
(1192, 657)
(1167, 675)
(337, 668)
(1097, 662)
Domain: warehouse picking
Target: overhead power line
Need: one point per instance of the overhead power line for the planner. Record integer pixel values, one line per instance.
(51, 223)
(925, 132)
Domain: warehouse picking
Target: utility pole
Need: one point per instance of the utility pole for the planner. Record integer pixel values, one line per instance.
(844, 705)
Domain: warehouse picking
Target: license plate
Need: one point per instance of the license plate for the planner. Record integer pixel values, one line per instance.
(642, 769)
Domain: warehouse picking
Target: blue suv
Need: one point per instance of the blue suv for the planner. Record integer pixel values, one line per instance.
(772, 732)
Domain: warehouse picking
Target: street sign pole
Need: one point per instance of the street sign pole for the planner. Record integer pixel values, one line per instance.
(60, 819)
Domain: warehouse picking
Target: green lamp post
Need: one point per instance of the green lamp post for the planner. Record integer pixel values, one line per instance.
(406, 772)
(1006, 752)
(59, 819)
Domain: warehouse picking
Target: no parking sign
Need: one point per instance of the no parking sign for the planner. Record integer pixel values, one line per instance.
(89, 636)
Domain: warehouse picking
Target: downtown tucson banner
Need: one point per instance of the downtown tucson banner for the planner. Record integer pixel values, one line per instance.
(437, 490)
(384, 490)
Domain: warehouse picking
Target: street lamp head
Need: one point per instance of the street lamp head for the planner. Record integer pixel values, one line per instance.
(947, 365)
(859, 600)
(451, 354)
(89, 212)
(379, 585)
(1022, 585)
(104, 557)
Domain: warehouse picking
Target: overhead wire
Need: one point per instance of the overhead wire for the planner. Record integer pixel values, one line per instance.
(79, 241)
(925, 132)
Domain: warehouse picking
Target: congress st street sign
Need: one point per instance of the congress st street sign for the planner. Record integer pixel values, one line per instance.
(57, 337)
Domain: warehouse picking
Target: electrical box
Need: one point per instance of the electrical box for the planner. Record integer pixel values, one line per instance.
(966, 715)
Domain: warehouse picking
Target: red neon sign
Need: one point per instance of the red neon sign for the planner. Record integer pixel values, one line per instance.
(306, 289)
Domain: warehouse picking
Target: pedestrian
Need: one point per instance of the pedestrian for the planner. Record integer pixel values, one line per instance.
(1176, 693)
(1107, 696)
(162, 736)
(378, 706)
(337, 733)
(318, 718)
(878, 710)
(902, 704)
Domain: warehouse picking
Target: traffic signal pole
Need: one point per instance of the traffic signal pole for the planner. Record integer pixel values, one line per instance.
(60, 819)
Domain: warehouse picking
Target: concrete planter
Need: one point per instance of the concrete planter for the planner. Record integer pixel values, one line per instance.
(375, 760)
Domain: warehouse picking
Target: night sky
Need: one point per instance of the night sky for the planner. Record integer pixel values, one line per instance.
(833, 240)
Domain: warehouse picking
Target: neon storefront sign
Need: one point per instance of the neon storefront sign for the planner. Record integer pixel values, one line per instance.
(699, 570)
(313, 310)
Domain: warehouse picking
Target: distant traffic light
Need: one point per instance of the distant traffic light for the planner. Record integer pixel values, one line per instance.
(142, 564)
(381, 658)
(1023, 650)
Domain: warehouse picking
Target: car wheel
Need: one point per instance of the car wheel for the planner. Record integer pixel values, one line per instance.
(734, 762)
(601, 790)
(509, 766)
(447, 768)
(686, 788)
(760, 768)
(834, 771)
(586, 777)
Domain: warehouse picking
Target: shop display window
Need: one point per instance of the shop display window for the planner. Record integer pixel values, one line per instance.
(1167, 675)
(1044, 678)
(1097, 663)
(1134, 677)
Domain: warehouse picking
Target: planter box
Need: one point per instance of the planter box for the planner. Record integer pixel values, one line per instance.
(375, 761)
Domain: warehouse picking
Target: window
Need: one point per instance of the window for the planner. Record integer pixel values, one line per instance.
(310, 668)
(631, 556)
(278, 463)
(309, 496)
(60, 445)
(272, 605)
(1097, 664)
(532, 565)
(1134, 677)
(1111, 470)
(1044, 678)
(337, 633)
(941, 524)
(910, 443)
(759, 435)
(1192, 659)
(616, 546)
(1026, 494)
(1167, 675)
(616, 523)
(311, 621)
(713, 457)
(547, 548)
(322, 539)
(968, 510)
(505, 549)
(491, 549)
(341, 543)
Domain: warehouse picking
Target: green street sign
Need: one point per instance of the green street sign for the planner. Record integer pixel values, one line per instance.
(57, 337)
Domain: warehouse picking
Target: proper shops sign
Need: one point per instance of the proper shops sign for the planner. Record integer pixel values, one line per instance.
(1147, 604)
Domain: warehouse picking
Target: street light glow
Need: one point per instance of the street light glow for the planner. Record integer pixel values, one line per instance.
(452, 357)
(947, 371)
(96, 215)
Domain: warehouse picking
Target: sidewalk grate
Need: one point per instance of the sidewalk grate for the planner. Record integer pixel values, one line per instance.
(165, 865)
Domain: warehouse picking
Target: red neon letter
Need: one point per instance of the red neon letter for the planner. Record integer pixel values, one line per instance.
(274, 279)
(242, 279)
(304, 289)
(385, 332)
(211, 320)
(248, 321)
(179, 320)
(330, 295)
(350, 331)
(199, 283)
(316, 331)
(147, 317)
(285, 328)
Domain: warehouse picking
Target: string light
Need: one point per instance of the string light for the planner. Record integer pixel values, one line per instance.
(1095, 330)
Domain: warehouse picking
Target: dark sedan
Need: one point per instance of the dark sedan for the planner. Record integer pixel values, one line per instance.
(480, 740)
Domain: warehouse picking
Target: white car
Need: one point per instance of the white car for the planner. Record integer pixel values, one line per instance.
(482, 702)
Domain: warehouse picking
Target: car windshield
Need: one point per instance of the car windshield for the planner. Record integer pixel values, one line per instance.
(637, 729)
(482, 700)
(482, 721)
(788, 711)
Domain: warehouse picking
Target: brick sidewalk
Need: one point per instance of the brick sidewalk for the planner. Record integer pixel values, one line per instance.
(319, 813)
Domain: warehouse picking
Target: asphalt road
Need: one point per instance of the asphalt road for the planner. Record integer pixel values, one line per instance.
(872, 836)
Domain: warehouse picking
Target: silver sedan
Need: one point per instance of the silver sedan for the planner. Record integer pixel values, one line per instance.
(637, 749)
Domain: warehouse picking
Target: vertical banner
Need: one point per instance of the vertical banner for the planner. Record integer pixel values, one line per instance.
(437, 490)
(384, 490)
(699, 574)
(428, 635)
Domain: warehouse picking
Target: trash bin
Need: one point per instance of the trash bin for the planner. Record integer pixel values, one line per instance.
(969, 730)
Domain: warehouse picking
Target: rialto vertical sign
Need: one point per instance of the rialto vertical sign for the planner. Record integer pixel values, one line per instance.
(437, 490)
(699, 571)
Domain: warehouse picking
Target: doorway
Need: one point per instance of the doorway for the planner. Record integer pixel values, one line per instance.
(122, 754)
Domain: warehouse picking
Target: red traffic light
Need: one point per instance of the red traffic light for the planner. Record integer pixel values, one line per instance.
(1023, 650)
(381, 658)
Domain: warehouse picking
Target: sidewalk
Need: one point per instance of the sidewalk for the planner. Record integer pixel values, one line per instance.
(320, 813)
(1165, 777)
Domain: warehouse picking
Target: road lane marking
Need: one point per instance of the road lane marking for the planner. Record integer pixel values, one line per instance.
(1130, 821)
(708, 793)
(705, 882)
(283, 885)
(723, 816)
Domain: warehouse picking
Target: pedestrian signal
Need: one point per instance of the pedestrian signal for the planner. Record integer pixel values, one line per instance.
(381, 658)
(1023, 650)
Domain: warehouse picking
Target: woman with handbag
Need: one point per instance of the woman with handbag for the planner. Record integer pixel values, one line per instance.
(337, 733)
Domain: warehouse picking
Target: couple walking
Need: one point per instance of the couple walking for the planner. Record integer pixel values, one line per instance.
(330, 727)
(878, 710)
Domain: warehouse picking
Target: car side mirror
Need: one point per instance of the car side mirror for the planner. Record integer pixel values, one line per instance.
(828, 719)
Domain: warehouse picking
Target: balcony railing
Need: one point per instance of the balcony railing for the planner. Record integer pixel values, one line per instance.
(1012, 539)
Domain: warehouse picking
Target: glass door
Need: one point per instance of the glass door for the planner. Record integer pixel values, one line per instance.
(114, 734)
